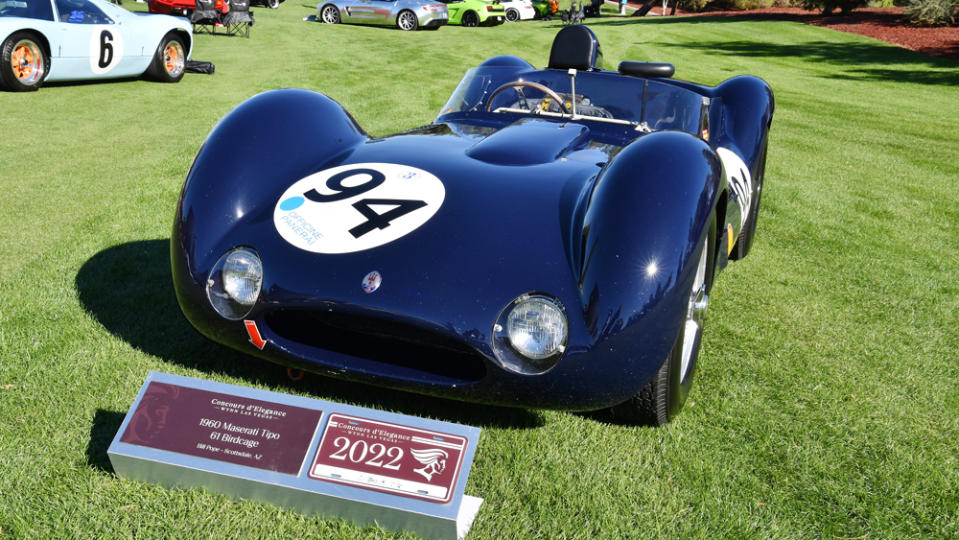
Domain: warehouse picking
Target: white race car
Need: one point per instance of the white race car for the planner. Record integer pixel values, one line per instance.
(68, 40)
(517, 10)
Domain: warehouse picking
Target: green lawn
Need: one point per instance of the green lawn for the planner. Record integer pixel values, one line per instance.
(827, 399)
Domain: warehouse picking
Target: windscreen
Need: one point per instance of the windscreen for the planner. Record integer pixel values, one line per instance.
(30, 9)
(598, 95)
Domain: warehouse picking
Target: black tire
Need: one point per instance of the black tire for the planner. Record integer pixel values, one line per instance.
(512, 15)
(663, 397)
(330, 14)
(470, 18)
(169, 60)
(745, 240)
(407, 20)
(273, 4)
(33, 63)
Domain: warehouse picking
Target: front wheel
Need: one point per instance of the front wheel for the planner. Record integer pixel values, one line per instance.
(470, 18)
(407, 20)
(25, 63)
(273, 4)
(330, 14)
(663, 397)
(512, 15)
(169, 61)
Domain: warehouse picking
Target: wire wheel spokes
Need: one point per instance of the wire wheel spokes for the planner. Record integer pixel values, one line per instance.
(695, 313)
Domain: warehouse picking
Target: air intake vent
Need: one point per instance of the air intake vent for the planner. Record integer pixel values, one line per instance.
(381, 341)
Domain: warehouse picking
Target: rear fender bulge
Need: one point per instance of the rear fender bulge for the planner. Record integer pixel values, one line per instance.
(740, 117)
(648, 213)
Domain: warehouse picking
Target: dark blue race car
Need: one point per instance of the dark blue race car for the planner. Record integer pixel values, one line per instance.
(550, 240)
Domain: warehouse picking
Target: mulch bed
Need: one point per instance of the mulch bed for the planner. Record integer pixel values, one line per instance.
(884, 24)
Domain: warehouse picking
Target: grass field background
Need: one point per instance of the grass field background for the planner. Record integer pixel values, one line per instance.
(826, 403)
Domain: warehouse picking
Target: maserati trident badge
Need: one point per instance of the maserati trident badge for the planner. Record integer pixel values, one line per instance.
(372, 281)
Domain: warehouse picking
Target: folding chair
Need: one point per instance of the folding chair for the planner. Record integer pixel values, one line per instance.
(239, 19)
(205, 17)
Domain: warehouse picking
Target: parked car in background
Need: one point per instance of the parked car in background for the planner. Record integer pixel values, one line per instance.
(183, 7)
(517, 10)
(68, 40)
(404, 14)
(476, 12)
(545, 8)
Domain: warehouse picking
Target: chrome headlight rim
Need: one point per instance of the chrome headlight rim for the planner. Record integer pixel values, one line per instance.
(221, 291)
(513, 357)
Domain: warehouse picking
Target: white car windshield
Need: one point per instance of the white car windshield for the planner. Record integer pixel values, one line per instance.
(29, 9)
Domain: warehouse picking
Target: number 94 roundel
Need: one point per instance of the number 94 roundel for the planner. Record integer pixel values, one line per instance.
(357, 207)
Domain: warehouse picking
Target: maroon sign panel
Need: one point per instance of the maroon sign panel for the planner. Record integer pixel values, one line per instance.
(388, 457)
(224, 427)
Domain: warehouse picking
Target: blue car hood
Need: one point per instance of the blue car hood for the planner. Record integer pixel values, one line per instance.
(504, 229)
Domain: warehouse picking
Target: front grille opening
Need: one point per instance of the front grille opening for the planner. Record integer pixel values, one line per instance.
(380, 340)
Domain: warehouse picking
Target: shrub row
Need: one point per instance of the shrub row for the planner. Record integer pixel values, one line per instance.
(919, 12)
(932, 12)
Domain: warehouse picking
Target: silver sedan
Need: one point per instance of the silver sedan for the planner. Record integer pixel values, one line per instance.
(405, 14)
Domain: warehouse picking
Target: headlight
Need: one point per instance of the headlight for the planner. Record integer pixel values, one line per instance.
(234, 283)
(530, 335)
(536, 328)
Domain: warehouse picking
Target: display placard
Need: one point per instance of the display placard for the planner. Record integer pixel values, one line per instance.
(224, 427)
(370, 467)
(389, 457)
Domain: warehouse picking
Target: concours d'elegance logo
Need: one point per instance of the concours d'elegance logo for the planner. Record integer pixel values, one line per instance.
(388, 457)
(433, 460)
(357, 207)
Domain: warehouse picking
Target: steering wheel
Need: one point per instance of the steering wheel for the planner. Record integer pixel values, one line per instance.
(517, 84)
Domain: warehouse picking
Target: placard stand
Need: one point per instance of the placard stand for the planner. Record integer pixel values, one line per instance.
(317, 457)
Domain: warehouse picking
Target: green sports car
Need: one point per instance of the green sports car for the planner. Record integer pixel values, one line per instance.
(475, 12)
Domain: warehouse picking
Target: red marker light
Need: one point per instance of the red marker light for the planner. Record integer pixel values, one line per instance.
(255, 338)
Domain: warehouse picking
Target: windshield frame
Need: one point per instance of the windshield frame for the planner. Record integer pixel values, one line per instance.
(633, 104)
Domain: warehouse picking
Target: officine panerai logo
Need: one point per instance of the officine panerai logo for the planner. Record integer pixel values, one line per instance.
(372, 281)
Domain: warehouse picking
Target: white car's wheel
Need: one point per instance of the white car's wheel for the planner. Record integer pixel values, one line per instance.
(407, 20)
(25, 63)
(169, 60)
(512, 15)
(330, 14)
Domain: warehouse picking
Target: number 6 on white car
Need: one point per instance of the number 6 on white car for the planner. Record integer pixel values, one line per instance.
(67, 40)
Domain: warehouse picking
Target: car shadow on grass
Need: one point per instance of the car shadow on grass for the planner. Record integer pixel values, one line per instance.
(852, 61)
(129, 289)
(869, 61)
(61, 84)
(104, 428)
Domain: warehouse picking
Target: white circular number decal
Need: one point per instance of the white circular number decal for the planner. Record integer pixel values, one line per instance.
(738, 180)
(355, 207)
(106, 49)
